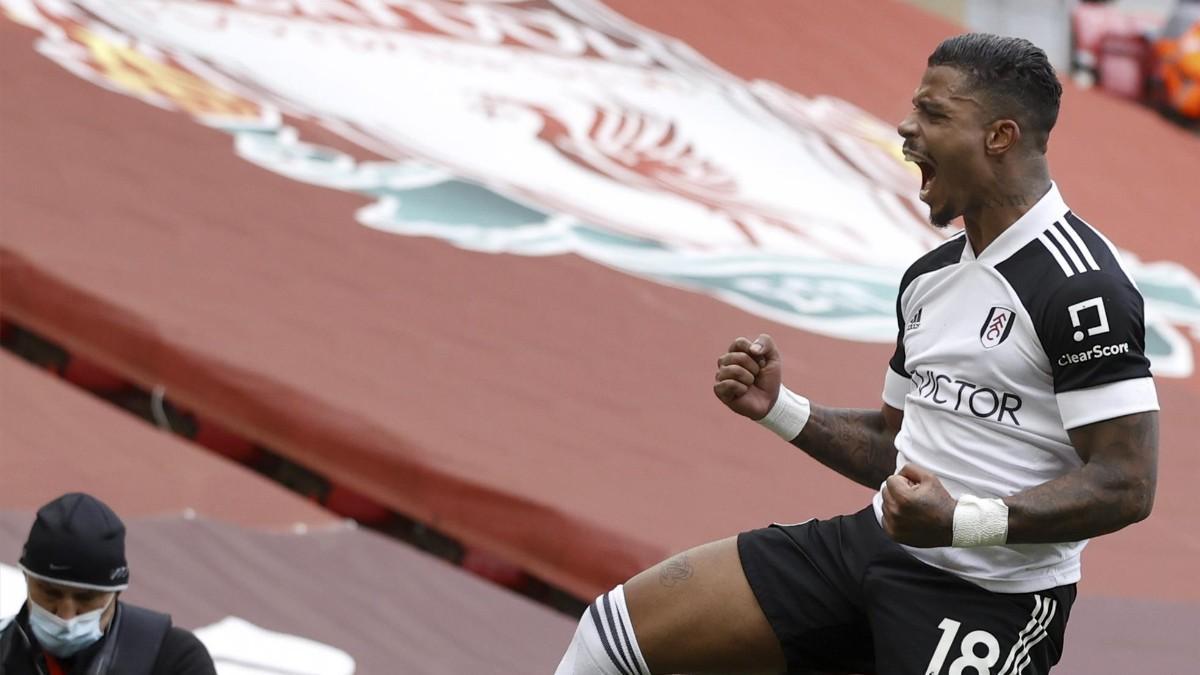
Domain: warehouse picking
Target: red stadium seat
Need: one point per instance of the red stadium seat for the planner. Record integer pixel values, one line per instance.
(346, 502)
(494, 569)
(1092, 22)
(1123, 66)
(224, 442)
(91, 376)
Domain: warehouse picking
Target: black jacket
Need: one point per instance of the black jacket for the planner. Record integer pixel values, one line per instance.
(179, 652)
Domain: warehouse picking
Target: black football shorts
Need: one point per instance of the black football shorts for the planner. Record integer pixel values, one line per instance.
(843, 597)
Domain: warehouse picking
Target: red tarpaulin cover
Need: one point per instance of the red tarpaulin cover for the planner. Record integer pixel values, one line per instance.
(386, 606)
(55, 439)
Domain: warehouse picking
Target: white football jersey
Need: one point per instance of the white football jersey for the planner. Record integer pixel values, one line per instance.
(997, 356)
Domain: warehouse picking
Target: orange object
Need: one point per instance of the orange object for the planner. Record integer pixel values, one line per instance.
(1179, 71)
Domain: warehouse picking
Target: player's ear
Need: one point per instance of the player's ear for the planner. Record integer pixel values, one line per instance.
(1001, 136)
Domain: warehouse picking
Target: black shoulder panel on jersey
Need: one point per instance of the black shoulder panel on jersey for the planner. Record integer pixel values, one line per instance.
(1088, 315)
(946, 254)
(1099, 250)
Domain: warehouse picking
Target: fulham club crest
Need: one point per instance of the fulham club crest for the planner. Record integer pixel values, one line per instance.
(996, 327)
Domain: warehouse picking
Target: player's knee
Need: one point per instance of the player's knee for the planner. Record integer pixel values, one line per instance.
(604, 643)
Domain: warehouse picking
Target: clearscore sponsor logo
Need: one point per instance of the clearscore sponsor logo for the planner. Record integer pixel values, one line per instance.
(961, 395)
(1097, 352)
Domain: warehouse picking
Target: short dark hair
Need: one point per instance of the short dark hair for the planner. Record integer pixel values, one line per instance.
(1014, 74)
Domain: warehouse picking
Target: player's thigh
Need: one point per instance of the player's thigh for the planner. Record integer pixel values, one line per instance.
(941, 625)
(696, 613)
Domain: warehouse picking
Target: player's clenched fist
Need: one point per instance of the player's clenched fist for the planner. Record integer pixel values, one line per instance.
(917, 509)
(749, 375)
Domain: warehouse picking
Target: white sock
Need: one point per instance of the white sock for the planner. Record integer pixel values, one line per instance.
(604, 643)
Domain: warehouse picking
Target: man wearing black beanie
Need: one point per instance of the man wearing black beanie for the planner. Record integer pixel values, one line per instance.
(73, 622)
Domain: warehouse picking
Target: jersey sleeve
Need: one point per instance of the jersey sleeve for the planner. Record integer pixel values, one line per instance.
(1094, 334)
(896, 377)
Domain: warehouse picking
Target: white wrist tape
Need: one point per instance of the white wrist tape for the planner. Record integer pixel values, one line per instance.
(789, 414)
(980, 522)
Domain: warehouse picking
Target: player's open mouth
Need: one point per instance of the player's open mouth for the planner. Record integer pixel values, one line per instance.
(928, 172)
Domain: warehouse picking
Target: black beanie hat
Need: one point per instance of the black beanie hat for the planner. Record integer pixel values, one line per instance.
(77, 540)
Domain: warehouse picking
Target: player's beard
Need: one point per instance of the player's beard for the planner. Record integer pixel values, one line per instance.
(937, 198)
(941, 204)
(941, 219)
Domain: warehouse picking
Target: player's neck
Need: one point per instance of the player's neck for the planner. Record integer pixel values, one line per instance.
(1003, 206)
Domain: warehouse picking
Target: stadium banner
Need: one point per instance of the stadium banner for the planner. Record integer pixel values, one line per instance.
(548, 127)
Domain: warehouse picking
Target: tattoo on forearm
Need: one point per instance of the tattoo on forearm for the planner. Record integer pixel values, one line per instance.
(675, 570)
(1115, 486)
(853, 442)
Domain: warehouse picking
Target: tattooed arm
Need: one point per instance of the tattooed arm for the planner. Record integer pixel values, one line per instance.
(1113, 488)
(856, 443)
(859, 444)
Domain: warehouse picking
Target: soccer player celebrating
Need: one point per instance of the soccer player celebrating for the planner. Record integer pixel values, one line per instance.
(1019, 419)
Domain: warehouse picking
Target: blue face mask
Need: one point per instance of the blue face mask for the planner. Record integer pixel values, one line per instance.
(65, 637)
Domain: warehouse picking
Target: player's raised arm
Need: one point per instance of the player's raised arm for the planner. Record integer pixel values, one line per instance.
(857, 443)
